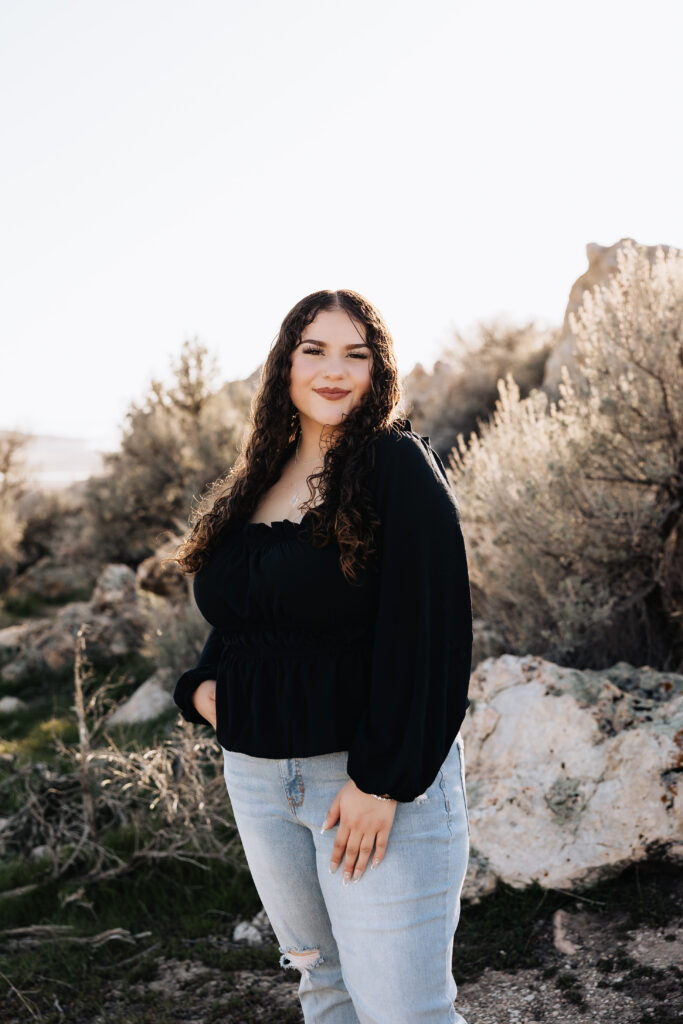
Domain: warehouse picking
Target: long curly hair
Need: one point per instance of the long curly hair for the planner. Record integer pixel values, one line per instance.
(345, 511)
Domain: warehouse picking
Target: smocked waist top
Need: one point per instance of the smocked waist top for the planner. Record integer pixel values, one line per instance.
(307, 662)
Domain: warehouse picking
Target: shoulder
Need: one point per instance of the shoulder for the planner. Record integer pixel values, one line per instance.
(399, 435)
(400, 448)
(407, 468)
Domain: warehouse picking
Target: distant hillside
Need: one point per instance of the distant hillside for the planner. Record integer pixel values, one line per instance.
(53, 462)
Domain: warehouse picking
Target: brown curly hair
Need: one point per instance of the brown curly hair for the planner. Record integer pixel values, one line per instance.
(345, 512)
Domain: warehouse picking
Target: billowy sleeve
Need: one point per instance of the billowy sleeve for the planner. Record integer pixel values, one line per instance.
(422, 646)
(206, 668)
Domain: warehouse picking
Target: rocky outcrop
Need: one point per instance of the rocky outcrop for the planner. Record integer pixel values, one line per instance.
(114, 622)
(49, 579)
(602, 264)
(426, 391)
(570, 775)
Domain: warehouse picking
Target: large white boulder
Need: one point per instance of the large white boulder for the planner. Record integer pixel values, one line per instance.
(571, 775)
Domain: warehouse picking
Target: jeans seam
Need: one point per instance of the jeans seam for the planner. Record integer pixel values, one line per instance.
(462, 786)
(442, 784)
(300, 780)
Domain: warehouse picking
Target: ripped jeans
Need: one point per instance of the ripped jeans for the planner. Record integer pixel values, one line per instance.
(375, 951)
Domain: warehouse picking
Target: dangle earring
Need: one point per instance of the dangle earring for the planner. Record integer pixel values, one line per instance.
(293, 420)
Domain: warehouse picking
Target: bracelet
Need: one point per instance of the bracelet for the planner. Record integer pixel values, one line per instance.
(385, 796)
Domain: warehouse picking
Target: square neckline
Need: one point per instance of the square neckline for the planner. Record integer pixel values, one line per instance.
(278, 522)
(284, 523)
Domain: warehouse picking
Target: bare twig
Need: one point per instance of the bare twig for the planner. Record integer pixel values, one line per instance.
(31, 1007)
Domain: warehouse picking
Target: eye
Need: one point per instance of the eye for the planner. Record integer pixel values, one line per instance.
(318, 351)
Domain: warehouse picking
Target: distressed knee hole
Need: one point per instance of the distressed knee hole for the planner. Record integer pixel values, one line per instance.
(304, 959)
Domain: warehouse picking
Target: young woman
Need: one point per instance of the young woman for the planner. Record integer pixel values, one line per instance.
(337, 668)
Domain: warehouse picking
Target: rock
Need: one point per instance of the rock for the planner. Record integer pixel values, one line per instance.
(570, 775)
(245, 932)
(114, 621)
(150, 700)
(116, 585)
(254, 932)
(262, 922)
(427, 390)
(13, 637)
(602, 264)
(49, 579)
(165, 580)
(10, 705)
(38, 852)
(561, 940)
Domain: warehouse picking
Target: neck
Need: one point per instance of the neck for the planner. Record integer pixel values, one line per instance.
(313, 442)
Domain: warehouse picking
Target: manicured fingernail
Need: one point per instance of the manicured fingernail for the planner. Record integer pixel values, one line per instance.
(374, 865)
(324, 826)
(333, 868)
(347, 877)
(357, 876)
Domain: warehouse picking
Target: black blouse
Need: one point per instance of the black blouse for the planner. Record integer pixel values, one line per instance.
(307, 663)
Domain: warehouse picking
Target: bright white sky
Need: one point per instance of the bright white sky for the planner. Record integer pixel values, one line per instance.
(173, 168)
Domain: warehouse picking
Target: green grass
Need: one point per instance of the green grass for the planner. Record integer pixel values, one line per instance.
(179, 905)
(28, 733)
(156, 896)
(189, 914)
(31, 739)
(34, 605)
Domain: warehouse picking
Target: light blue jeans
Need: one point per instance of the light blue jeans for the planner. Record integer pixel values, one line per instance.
(376, 951)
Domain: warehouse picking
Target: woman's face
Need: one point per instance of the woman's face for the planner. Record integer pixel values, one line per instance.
(331, 356)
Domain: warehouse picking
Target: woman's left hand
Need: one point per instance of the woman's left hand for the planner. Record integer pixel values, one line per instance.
(363, 822)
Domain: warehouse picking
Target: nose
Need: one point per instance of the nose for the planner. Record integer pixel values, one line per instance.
(334, 375)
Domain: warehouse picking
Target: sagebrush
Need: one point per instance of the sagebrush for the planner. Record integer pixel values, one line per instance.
(572, 510)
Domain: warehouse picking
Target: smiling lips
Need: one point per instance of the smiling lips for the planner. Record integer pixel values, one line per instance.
(331, 393)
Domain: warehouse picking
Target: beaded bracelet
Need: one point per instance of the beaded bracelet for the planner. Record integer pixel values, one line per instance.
(385, 796)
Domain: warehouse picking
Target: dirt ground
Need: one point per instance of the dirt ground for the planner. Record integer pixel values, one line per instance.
(593, 971)
(590, 964)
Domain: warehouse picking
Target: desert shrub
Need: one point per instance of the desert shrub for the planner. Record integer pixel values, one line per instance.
(462, 390)
(572, 509)
(43, 513)
(176, 440)
(169, 798)
(50, 569)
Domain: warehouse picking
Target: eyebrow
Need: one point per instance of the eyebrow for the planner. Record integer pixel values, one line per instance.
(314, 341)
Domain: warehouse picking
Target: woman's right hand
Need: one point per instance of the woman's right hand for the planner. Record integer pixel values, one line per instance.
(204, 700)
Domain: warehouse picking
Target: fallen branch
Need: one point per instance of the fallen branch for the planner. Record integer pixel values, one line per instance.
(60, 933)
